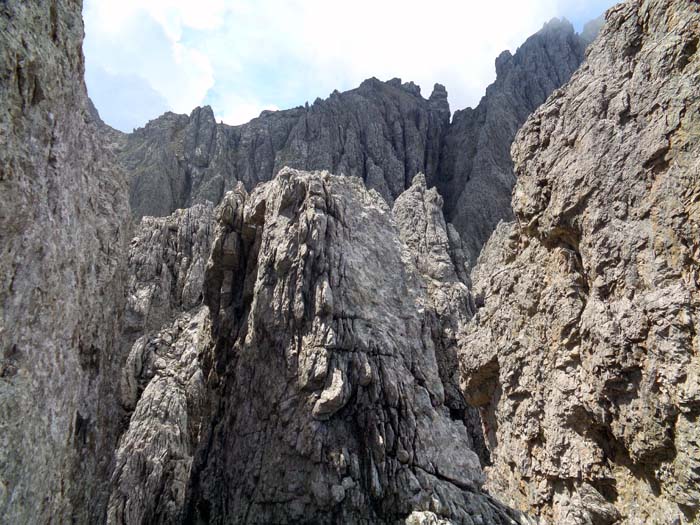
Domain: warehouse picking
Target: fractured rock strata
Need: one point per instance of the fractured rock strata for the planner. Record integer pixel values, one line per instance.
(383, 132)
(583, 354)
(327, 402)
(163, 387)
(476, 172)
(166, 264)
(306, 352)
(166, 330)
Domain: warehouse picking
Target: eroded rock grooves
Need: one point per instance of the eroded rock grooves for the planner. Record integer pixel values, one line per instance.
(327, 403)
(584, 353)
(383, 132)
(63, 233)
(476, 172)
(166, 330)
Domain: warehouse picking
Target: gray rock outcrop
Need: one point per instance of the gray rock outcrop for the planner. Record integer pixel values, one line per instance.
(166, 264)
(583, 353)
(328, 390)
(309, 350)
(166, 330)
(382, 132)
(431, 248)
(163, 389)
(63, 232)
(327, 402)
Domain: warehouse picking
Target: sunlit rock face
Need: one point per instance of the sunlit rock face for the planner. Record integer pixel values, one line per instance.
(161, 387)
(300, 346)
(583, 353)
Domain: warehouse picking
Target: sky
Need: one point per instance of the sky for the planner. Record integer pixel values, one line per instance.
(146, 57)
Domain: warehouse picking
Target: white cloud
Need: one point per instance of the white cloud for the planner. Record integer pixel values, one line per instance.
(237, 110)
(242, 56)
(141, 40)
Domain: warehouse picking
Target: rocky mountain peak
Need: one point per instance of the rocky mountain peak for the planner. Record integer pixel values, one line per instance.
(592, 29)
(383, 132)
(475, 164)
(350, 404)
(502, 62)
(438, 100)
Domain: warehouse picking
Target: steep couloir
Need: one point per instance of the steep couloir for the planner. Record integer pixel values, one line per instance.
(584, 351)
(476, 172)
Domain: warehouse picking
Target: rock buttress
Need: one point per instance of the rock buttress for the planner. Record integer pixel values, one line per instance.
(325, 395)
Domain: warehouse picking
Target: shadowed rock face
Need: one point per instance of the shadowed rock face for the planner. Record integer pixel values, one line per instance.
(383, 132)
(584, 354)
(476, 171)
(63, 231)
(322, 387)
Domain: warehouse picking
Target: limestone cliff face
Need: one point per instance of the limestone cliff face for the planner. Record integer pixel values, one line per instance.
(326, 402)
(63, 231)
(318, 382)
(166, 262)
(383, 132)
(583, 354)
(309, 349)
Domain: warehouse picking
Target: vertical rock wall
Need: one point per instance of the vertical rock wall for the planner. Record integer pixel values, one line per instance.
(476, 172)
(583, 354)
(63, 231)
(383, 132)
(325, 392)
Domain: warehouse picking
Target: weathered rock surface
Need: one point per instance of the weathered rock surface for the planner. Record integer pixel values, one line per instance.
(383, 132)
(162, 387)
(166, 263)
(430, 246)
(584, 353)
(304, 352)
(327, 401)
(63, 231)
(162, 384)
(476, 172)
